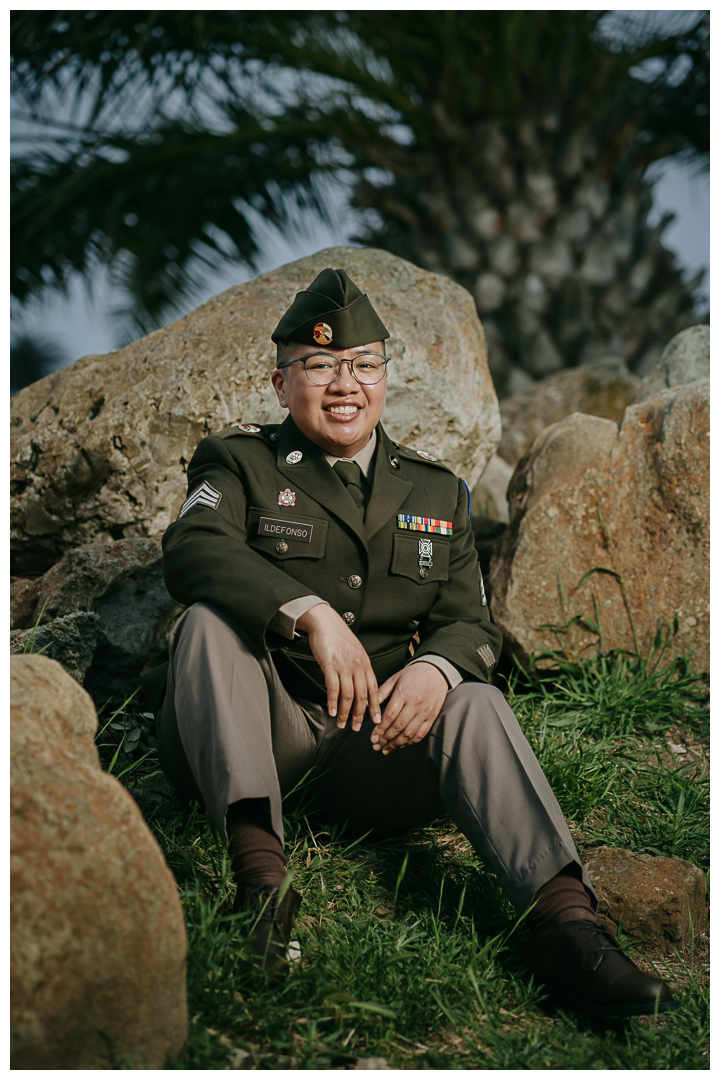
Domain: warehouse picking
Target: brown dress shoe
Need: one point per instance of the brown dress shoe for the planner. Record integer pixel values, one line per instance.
(271, 922)
(582, 966)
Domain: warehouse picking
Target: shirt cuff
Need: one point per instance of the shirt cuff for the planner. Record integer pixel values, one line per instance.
(451, 673)
(283, 622)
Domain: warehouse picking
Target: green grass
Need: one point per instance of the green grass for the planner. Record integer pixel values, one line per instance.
(410, 951)
(589, 725)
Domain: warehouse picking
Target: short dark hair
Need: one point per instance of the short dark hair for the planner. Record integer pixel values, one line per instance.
(284, 345)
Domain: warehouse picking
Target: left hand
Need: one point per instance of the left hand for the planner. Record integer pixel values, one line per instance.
(417, 694)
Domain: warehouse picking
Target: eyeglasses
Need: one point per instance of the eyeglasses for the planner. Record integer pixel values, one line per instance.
(322, 369)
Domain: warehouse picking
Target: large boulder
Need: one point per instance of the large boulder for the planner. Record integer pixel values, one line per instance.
(603, 387)
(97, 960)
(489, 496)
(100, 450)
(649, 478)
(121, 583)
(71, 640)
(660, 902)
(685, 359)
(23, 597)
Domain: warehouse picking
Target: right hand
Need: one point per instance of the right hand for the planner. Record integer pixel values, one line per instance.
(349, 676)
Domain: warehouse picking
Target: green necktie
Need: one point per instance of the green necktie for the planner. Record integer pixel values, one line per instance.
(351, 475)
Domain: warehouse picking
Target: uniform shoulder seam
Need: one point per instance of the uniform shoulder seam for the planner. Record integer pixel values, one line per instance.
(256, 431)
(422, 457)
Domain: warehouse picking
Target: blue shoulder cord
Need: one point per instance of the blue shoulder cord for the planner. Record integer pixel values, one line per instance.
(469, 495)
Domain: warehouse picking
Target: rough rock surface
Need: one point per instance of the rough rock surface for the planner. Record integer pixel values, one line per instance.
(487, 532)
(655, 897)
(650, 479)
(100, 449)
(71, 640)
(23, 596)
(80, 578)
(602, 388)
(98, 939)
(489, 496)
(119, 581)
(685, 359)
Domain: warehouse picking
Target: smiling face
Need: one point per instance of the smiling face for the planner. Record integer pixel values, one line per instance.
(340, 417)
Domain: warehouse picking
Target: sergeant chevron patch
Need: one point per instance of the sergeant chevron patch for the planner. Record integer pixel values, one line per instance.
(424, 524)
(205, 495)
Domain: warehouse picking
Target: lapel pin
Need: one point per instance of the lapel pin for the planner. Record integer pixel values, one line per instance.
(275, 436)
(395, 462)
(286, 498)
(293, 457)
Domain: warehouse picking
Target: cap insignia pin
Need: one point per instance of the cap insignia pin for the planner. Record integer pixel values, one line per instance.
(293, 457)
(286, 498)
(323, 333)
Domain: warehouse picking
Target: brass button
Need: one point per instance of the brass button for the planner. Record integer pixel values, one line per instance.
(395, 462)
(423, 571)
(349, 617)
(354, 581)
(281, 547)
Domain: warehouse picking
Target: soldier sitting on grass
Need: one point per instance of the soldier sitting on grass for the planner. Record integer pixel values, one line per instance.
(311, 556)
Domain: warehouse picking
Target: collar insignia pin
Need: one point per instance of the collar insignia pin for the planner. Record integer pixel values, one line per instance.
(293, 457)
(286, 498)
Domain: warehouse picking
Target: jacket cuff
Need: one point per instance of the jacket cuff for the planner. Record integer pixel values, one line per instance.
(451, 673)
(284, 620)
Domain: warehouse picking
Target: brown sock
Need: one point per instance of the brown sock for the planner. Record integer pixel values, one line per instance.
(561, 899)
(255, 852)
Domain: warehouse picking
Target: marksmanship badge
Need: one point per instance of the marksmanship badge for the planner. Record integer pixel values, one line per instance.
(425, 553)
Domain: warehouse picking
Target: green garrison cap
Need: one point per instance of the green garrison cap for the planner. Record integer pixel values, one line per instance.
(331, 311)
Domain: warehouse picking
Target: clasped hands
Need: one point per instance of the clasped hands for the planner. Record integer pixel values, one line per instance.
(414, 695)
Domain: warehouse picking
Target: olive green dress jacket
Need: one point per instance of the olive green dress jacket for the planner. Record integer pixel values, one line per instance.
(268, 521)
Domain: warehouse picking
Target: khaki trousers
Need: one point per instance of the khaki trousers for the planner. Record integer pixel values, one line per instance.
(228, 730)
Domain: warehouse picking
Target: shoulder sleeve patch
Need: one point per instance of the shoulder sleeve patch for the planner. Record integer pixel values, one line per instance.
(205, 495)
